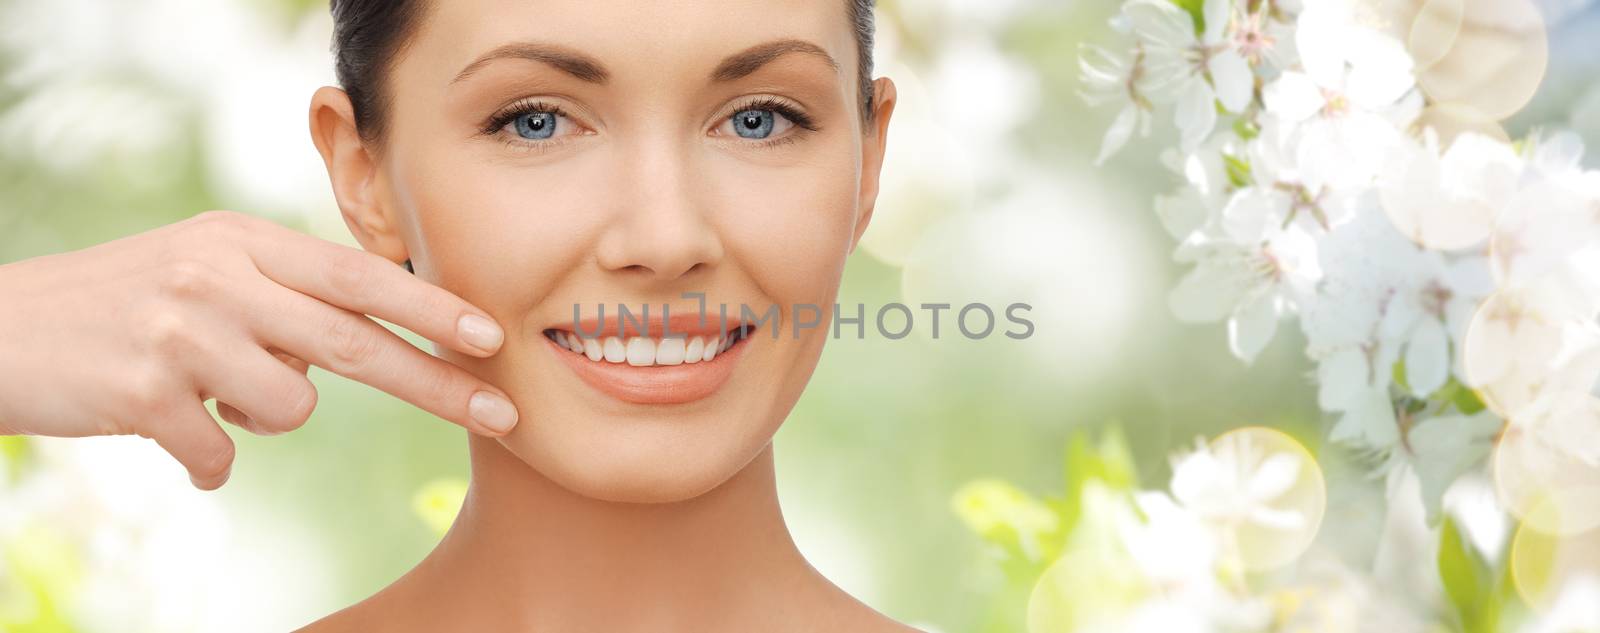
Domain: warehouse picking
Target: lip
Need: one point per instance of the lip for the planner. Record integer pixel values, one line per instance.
(687, 324)
(656, 384)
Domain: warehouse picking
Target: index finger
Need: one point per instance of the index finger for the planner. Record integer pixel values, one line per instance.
(363, 282)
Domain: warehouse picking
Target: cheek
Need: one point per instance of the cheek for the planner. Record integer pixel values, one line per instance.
(789, 227)
(503, 234)
(499, 235)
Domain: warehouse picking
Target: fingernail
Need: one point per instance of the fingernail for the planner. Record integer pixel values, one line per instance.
(480, 332)
(492, 411)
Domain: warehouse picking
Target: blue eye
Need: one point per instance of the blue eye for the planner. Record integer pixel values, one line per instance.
(536, 125)
(754, 124)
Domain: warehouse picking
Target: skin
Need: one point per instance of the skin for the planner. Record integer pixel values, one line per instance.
(590, 503)
(132, 336)
(594, 513)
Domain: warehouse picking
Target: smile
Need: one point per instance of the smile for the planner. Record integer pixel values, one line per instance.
(643, 351)
(690, 364)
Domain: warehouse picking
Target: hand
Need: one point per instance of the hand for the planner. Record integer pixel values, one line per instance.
(134, 335)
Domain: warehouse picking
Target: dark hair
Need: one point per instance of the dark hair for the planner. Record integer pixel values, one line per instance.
(368, 34)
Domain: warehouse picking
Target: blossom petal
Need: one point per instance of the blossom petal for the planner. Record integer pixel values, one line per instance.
(1342, 377)
(1233, 79)
(1293, 97)
(1252, 327)
(1558, 153)
(1298, 263)
(1183, 213)
(1211, 291)
(1274, 477)
(1380, 71)
(1369, 422)
(1445, 447)
(1196, 113)
(1322, 39)
(1401, 317)
(1470, 276)
(1252, 212)
(1194, 475)
(1344, 153)
(1216, 14)
(1103, 71)
(1427, 358)
(1121, 130)
(1160, 22)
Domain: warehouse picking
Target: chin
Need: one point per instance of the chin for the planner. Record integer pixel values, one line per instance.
(633, 467)
(642, 481)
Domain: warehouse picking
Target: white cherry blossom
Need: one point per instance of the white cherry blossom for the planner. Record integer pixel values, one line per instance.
(1235, 483)
(1451, 199)
(1204, 67)
(1252, 267)
(1349, 100)
(1447, 283)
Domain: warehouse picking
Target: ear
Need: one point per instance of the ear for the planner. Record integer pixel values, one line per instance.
(354, 172)
(872, 151)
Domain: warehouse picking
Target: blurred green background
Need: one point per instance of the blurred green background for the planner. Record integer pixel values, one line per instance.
(118, 117)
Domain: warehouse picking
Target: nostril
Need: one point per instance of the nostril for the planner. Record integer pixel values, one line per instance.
(642, 269)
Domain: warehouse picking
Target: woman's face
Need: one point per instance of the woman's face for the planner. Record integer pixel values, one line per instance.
(541, 155)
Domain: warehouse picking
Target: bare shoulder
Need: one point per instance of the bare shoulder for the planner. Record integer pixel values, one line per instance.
(886, 624)
(385, 611)
(343, 620)
(356, 617)
(858, 616)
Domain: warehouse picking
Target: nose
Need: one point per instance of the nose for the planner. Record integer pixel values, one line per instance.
(662, 231)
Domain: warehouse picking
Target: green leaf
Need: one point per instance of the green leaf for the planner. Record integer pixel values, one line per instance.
(1468, 580)
(1023, 528)
(1196, 9)
(1467, 400)
(1238, 171)
(1078, 468)
(1107, 462)
(1117, 470)
(1246, 129)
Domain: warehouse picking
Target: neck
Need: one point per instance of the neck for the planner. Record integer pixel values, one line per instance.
(531, 551)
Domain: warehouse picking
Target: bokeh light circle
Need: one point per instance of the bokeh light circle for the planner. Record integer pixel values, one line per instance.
(1434, 29)
(1449, 201)
(1262, 547)
(1494, 61)
(1533, 355)
(1546, 485)
(1542, 564)
(1506, 350)
(1452, 120)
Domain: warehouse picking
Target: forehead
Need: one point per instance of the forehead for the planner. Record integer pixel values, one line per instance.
(630, 37)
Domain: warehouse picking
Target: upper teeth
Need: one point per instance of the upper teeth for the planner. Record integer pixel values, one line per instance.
(643, 351)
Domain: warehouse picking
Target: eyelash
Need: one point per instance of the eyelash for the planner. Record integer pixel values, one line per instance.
(794, 114)
(506, 115)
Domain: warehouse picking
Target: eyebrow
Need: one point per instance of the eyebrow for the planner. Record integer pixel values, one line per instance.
(743, 63)
(566, 60)
(586, 68)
